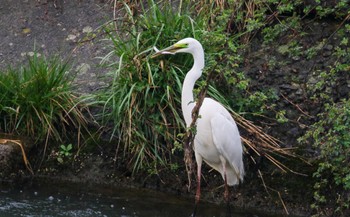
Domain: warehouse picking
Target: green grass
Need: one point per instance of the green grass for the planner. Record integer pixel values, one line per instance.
(142, 101)
(330, 135)
(37, 100)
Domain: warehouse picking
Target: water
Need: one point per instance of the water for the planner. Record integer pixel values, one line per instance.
(71, 200)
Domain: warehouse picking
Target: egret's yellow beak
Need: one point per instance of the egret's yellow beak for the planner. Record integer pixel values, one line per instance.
(169, 50)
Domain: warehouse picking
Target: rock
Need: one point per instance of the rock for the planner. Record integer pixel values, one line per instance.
(328, 47)
(299, 92)
(327, 53)
(288, 86)
(87, 29)
(71, 37)
(83, 68)
(10, 158)
(296, 58)
(30, 54)
(343, 90)
(312, 80)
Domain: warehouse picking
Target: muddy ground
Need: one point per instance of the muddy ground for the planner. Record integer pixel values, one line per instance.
(29, 26)
(49, 29)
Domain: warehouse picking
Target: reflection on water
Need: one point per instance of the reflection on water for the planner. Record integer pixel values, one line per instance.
(72, 200)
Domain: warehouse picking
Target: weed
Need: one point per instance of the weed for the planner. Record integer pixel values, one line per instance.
(65, 152)
(37, 100)
(330, 135)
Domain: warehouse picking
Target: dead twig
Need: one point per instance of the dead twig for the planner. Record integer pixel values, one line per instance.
(295, 105)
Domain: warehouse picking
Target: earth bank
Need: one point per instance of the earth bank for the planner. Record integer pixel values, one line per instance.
(48, 29)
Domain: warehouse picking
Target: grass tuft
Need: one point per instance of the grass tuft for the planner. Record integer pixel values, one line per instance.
(142, 102)
(37, 100)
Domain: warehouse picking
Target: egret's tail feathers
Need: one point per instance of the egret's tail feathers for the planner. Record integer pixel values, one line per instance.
(234, 175)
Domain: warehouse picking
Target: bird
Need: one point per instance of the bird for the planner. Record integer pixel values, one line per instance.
(217, 141)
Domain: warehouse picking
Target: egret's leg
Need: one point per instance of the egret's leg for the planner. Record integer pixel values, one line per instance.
(198, 191)
(227, 190)
(199, 174)
(227, 198)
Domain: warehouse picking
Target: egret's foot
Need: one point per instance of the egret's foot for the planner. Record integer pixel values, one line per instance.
(228, 210)
(194, 211)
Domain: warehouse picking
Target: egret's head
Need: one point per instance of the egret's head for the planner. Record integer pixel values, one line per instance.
(187, 45)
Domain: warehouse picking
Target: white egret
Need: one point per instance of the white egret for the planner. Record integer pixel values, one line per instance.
(217, 140)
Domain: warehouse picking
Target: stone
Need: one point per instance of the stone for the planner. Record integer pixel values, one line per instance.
(328, 47)
(71, 37)
(327, 53)
(10, 158)
(87, 29)
(288, 86)
(83, 68)
(312, 80)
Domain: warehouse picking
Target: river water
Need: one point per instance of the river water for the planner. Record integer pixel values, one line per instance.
(70, 200)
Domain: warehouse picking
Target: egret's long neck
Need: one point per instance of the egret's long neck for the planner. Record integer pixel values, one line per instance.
(187, 99)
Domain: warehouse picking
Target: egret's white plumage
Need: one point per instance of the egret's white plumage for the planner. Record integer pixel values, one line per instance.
(217, 140)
